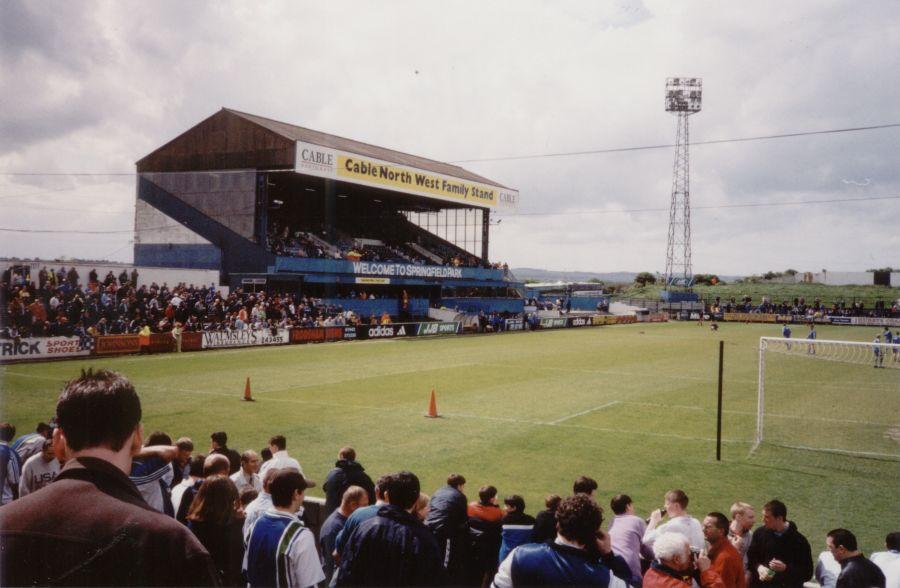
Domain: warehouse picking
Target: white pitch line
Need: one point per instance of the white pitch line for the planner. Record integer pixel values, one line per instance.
(35, 376)
(584, 412)
(619, 373)
(753, 413)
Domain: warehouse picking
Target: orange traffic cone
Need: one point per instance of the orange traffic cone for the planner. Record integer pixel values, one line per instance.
(432, 407)
(247, 396)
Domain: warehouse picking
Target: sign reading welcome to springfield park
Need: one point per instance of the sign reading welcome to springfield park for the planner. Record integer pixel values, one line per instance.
(324, 162)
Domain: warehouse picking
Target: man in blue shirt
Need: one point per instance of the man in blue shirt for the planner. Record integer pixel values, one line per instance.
(786, 333)
(811, 336)
(878, 352)
(355, 497)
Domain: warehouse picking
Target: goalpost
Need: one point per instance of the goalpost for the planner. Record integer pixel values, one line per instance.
(831, 396)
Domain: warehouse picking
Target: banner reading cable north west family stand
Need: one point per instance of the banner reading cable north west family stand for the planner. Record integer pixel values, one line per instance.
(324, 162)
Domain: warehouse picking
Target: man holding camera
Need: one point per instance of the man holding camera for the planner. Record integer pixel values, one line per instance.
(677, 566)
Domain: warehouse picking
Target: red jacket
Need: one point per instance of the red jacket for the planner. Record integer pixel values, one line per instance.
(661, 576)
(491, 514)
(729, 564)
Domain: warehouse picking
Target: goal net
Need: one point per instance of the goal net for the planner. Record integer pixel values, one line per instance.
(830, 396)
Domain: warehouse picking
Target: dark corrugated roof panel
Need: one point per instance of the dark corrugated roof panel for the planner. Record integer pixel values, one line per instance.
(296, 133)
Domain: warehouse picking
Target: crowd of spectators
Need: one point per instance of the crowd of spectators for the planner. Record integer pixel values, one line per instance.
(64, 306)
(800, 308)
(106, 506)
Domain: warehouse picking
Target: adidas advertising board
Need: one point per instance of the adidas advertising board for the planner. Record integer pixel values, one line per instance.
(579, 321)
(44, 347)
(383, 331)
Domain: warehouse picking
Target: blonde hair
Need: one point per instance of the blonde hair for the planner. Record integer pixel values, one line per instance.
(740, 508)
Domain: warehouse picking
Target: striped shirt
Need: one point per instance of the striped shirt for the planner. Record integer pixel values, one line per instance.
(151, 476)
(10, 472)
(281, 552)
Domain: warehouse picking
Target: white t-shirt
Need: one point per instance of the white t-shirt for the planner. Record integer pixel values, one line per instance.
(255, 509)
(178, 492)
(687, 526)
(889, 562)
(280, 460)
(37, 473)
(827, 570)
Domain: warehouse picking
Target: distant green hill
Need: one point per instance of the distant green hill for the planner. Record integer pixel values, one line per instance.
(779, 292)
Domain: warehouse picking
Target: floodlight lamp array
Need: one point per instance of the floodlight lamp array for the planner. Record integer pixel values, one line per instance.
(684, 94)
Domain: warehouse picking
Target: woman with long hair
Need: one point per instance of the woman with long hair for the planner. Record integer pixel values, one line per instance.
(216, 519)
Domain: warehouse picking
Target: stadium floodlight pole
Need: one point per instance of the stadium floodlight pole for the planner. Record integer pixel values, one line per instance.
(683, 98)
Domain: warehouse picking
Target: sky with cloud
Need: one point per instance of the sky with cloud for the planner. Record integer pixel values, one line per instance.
(91, 87)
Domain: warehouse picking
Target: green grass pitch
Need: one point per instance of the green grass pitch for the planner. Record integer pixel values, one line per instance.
(632, 406)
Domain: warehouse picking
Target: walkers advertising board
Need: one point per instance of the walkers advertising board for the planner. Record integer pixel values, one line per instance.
(244, 338)
(44, 348)
(324, 162)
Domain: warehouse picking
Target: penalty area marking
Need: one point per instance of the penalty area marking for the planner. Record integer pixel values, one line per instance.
(751, 413)
(583, 412)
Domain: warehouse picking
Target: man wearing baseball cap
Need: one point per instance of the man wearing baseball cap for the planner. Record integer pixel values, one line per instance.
(281, 551)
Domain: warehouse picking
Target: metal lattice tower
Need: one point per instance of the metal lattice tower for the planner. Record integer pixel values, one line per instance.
(683, 98)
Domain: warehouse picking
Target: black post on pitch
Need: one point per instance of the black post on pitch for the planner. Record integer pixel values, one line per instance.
(719, 409)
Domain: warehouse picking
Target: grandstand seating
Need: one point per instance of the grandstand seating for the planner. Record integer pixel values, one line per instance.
(393, 238)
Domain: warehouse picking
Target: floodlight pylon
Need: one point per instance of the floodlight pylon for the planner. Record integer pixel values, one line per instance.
(683, 98)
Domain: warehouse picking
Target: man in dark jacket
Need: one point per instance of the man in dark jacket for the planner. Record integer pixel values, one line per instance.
(448, 519)
(219, 444)
(856, 569)
(393, 548)
(91, 526)
(347, 472)
(779, 555)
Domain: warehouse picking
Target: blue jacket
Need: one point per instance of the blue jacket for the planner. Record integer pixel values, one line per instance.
(447, 513)
(552, 564)
(517, 530)
(391, 549)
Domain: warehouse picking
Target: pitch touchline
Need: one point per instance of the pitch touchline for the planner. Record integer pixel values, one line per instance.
(584, 412)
